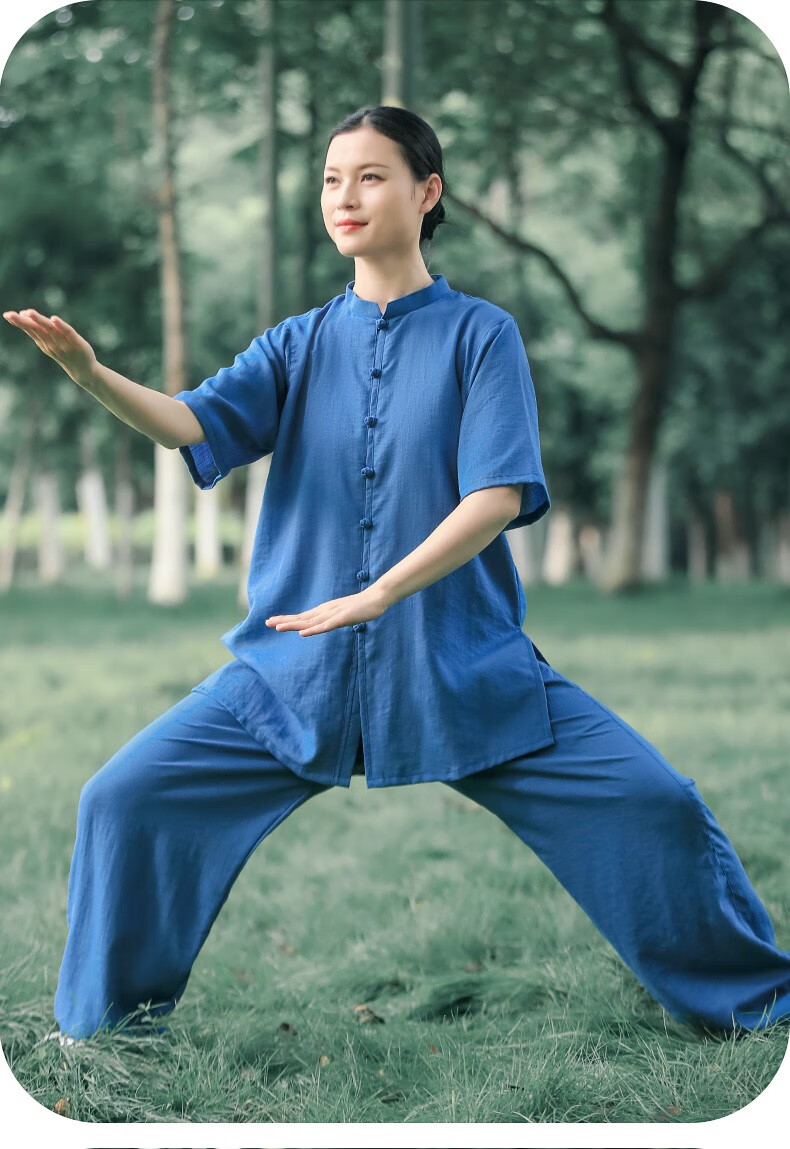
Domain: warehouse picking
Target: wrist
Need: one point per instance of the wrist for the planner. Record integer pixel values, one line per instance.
(88, 378)
(383, 595)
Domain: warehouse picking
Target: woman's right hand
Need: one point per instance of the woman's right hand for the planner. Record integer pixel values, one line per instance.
(56, 339)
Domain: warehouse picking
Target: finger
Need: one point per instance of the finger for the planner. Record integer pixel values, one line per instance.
(30, 329)
(301, 618)
(300, 621)
(16, 320)
(323, 622)
(39, 337)
(27, 323)
(42, 321)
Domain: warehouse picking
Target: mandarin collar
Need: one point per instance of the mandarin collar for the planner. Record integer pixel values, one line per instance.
(369, 309)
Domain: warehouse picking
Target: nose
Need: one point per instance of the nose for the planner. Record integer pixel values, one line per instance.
(344, 199)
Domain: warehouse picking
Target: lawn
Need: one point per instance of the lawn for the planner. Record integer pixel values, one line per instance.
(487, 994)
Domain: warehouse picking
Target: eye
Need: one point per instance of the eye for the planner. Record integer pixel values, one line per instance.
(375, 175)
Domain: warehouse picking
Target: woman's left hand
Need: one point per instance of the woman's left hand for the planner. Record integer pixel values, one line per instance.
(361, 607)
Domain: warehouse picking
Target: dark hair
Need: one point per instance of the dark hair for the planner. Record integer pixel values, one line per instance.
(417, 143)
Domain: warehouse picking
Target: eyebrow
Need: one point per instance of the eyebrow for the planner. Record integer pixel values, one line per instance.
(359, 168)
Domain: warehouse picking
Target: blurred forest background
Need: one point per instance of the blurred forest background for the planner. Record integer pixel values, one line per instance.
(617, 180)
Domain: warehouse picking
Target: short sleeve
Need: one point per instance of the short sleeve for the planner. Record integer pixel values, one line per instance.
(239, 408)
(499, 442)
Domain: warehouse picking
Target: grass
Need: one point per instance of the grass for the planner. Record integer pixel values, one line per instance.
(498, 1000)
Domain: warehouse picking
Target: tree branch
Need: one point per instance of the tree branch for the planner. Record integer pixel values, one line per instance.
(715, 276)
(625, 39)
(630, 38)
(628, 42)
(775, 211)
(626, 338)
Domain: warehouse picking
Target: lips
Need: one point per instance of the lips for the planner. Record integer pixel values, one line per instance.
(350, 223)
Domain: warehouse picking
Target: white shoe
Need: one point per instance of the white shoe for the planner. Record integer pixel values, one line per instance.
(63, 1039)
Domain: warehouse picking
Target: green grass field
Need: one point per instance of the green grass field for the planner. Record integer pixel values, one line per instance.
(499, 1000)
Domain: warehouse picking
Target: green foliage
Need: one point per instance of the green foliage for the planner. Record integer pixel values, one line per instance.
(541, 134)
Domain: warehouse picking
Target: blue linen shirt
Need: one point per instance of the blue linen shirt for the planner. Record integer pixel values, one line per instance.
(379, 424)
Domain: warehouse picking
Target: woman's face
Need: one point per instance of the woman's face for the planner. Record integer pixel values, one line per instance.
(366, 179)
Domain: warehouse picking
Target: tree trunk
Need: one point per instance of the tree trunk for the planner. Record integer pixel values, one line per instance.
(14, 503)
(623, 565)
(168, 575)
(124, 517)
(168, 572)
(560, 557)
(51, 560)
(783, 547)
(732, 551)
(590, 544)
(655, 543)
(524, 549)
(92, 506)
(314, 150)
(257, 474)
(765, 551)
(208, 545)
(402, 47)
(697, 546)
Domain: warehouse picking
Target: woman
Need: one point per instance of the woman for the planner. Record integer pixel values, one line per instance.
(406, 433)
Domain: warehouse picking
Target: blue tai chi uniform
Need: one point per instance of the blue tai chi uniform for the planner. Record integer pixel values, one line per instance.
(381, 424)
(378, 424)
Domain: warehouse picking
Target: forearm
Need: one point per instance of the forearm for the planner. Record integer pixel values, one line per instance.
(159, 416)
(475, 522)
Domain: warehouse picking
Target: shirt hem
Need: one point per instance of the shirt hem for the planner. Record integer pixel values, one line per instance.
(373, 783)
(276, 754)
(464, 771)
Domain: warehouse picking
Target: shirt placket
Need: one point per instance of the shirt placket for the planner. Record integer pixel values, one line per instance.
(366, 523)
(368, 471)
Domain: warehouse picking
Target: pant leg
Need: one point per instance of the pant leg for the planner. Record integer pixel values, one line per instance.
(633, 842)
(163, 830)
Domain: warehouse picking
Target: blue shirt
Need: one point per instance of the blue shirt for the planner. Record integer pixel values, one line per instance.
(379, 424)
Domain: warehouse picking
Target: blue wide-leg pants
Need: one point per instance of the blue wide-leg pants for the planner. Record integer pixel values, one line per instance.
(166, 825)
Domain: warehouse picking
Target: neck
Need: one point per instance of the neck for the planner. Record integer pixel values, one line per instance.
(382, 283)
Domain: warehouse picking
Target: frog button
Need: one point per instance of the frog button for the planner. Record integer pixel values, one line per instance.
(359, 626)
(371, 421)
(366, 524)
(381, 324)
(367, 472)
(363, 575)
(375, 372)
